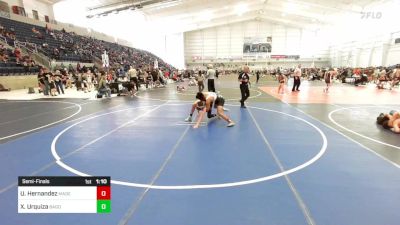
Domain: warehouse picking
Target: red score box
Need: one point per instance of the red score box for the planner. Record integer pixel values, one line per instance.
(103, 193)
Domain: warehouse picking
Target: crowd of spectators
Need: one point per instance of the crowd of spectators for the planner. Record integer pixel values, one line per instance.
(15, 58)
(68, 46)
(88, 79)
(10, 34)
(383, 77)
(88, 49)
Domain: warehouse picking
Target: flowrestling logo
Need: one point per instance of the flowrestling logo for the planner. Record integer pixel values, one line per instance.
(371, 15)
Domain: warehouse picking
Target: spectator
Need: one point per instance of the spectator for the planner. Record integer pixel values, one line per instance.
(211, 76)
(17, 53)
(58, 82)
(200, 81)
(103, 86)
(52, 85)
(70, 68)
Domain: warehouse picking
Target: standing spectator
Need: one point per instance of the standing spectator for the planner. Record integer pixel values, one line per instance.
(58, 82)
(161, 77)
(78, 82)
(41, 81)
(200, 81)
(244, 79)
(167, 74)
(85, 81)
(78, 68)
(89, 79)
(68, 81)
(70, 68)
(17, 53)
(327, 78)
(46, 83)
(103, 86)
(211, 76)
(258, 76)
(296, 78)
(132, 75)
(154, 74)
(52, 85)
(148, 78)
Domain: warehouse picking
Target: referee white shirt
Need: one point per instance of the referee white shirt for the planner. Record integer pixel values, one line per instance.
(297, 72)
(210, 74)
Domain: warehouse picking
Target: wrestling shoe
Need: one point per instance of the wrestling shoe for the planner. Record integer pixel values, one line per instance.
(189, 119)
(212, 116)
(231, 124)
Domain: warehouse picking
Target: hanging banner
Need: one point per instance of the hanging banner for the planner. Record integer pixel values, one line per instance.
(105, 59)
(156, 64)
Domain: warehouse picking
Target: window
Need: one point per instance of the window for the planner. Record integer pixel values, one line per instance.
(18, 10)
(35, 14)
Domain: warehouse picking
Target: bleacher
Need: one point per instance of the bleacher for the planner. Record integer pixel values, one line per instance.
(16, 69)
(12, 67)
(23, 32)
(75, 48)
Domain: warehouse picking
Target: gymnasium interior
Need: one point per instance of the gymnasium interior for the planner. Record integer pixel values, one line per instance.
(199, 112)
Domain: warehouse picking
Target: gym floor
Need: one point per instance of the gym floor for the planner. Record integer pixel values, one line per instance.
(299, 158)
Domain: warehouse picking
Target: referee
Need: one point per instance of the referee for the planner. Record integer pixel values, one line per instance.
(244, 79)
(296, 78)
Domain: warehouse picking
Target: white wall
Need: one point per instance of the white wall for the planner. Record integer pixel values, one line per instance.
(393, 51)
(42, 8)
(14, 2)
(358, 40)
(169, 47)
(224, 42)
(29, 5)
(46, 9)
(379, 50)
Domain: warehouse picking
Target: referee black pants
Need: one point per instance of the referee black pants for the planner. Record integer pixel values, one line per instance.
(210, 84)
(244, 90)
(296, 83)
